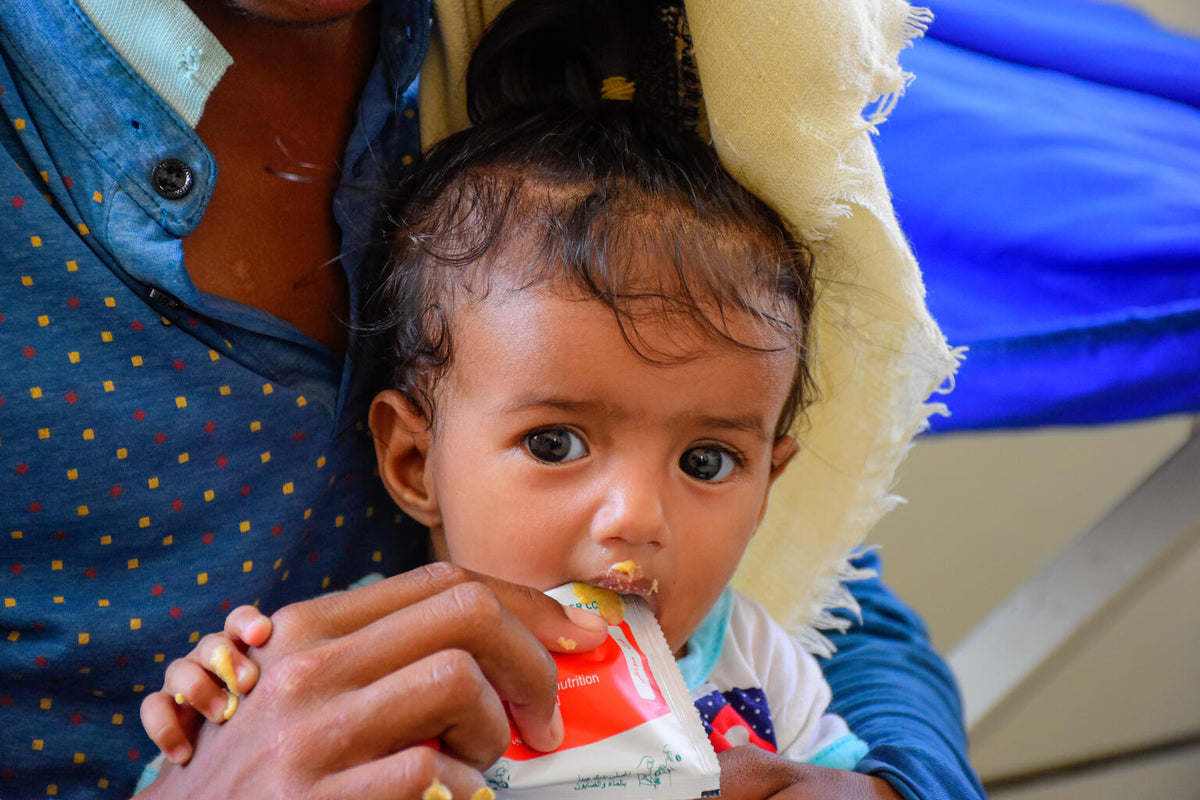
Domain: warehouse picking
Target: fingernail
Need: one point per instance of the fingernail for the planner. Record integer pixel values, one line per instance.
(246, 672)
(180, 754)
(557, 731)
(586, 619)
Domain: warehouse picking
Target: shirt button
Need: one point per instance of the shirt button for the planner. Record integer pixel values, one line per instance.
(172, 178)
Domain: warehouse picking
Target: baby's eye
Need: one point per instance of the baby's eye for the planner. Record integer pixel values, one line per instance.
(555, 445)
(707, 463)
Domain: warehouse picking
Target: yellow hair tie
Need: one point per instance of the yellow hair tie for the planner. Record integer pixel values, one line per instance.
(616, 88)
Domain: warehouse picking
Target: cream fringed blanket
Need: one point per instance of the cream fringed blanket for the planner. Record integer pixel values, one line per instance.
(793, 90)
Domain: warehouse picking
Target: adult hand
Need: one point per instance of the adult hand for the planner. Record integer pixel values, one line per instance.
(355, 686)
(749, 773)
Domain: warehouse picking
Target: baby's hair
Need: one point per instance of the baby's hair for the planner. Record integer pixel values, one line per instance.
(610, 200)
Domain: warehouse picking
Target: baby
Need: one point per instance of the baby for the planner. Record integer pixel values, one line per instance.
(593, 344)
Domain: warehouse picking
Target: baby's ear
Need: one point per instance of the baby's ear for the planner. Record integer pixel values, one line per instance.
(782, 453)
(402, 438)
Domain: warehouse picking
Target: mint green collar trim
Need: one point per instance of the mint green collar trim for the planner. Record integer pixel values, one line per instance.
(704, 648)
(167, 45)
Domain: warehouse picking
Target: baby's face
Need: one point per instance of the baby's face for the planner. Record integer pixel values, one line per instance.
(559, 452)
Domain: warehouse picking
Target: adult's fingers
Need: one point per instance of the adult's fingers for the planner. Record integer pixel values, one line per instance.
(411, 773)
(248, 625)
(190, 683)
(170, 726)
(748, 773)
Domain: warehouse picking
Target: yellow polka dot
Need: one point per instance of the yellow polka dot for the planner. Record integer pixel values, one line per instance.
(106, 540)
(213, 355)
(301, 401)
(133, 562)
(43, 433)
(83, 229)
(320, 462)
(84, 638)
(72, 266)
(158, 659)
(45, 704)
(325, 582)
(370, 512)
(19, 124)
(36, 241)
(135, 624)
(73, 474)
(45, 176)
(202, 578)
(247, 566)
(10, 602)
(17, 534)
(268, 388)
(99, 198)
(35, 392)
(108, 386)
(165, 321)
(225, 390)
(288, 488)
(43, 320)
(183, 458)
(265, 457)
(137, 361)
(52, 789)
(139, 688)
(168, 541)
(152, 483)
(144, 522)
(106, 336)
(195, 637)
(284, 576)
(73, 356)
(209, 494)
(377, 556)
(256, 425)
(102, 603)
(55, 565)
(82, 511)
(60, 600)
(244, 526)
(119, 719)
(409, 113)
(14, 635)
(339, 521)
(278, 561)
(88, 434)
(307, 513)
(122, 453)
(406, 160)
(102, 783)
(111, 302)
(181, 402)
(26, 280)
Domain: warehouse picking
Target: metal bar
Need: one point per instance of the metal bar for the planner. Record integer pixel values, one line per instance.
(1038, 617)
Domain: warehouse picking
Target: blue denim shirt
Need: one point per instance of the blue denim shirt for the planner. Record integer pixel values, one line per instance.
(165, 455)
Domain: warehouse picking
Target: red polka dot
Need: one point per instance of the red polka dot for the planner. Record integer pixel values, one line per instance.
(177, 364)
(157, 590)
(207, 538)
(22, 469)
(192, 321)
(245, 490)
(71, 397)
(35, 507)
(67, 181)
(16, 569)
(73, 302)
(18, 202)
(115, 491)
(120, 661)
(90, 573)
(7, 774)
(226, 605)
(40, 662)
(133, 754)
(176, 612)
(6, 701)
(278, 529)
(312, 558)
(28, 351)
(59, 535)
(76, 718)
(160, 437)
(39, 626)
(137, 326)
(176, 504)
(222, 461)
(298, 435)
(139, 415)
(210, 426)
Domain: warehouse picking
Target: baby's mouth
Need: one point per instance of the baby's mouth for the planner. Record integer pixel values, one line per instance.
(627, 577)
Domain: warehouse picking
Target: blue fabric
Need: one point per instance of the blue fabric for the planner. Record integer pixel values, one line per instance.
(1045, 164)
(160, 460)
(896, 694)
(704, 646)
